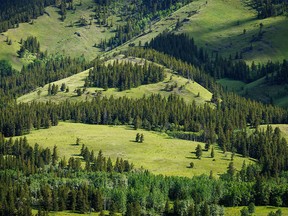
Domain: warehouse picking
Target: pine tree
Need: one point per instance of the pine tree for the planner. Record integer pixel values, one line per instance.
(137, 137)
(212, 152)
(141, 138)
(54, 155)
(198, 151)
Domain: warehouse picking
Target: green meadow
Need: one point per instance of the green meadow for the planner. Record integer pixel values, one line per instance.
(159, 153)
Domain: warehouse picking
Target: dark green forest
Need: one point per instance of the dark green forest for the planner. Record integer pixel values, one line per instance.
(123, 75)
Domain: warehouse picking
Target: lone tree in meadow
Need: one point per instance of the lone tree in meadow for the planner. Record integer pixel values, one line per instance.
(198, 151)
(77, 141)
(141, 138)
(137, 137)
(212, 152)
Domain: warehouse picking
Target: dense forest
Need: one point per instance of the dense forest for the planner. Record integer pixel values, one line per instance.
(123, 75)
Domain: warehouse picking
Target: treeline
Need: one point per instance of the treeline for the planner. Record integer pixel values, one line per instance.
(38, 73)
(123, 75)
(270, 8)
(182, 47)
(13, 12)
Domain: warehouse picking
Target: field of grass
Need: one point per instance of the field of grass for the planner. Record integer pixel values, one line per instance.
(189, 90)
(56, 36)
(259, 210)
(159, 153)
(218, 26)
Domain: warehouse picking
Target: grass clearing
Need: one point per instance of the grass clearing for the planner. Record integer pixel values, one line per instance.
(259, 210)
(159, 153)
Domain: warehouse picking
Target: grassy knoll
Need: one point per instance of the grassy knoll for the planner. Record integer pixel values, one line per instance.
(159, 153)
(219, 25)
(259, 210)
(187, 89)
(56, 36)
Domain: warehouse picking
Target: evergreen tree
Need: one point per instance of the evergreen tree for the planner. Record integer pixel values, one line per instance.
(198, 151)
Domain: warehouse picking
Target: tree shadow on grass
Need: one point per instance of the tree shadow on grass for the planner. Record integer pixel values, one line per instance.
(188, 157)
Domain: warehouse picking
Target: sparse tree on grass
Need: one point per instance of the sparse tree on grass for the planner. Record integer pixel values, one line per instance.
(244, 211)
(212, 152)
(191, 164)
(137, 137)
(141, 138)
(251, 208)
(198, 151)
(207, 145)
(77, 141)
(63, 87)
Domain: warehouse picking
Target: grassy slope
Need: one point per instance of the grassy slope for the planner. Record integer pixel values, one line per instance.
(219, 24)
(55, 36)
(259, 210)
(159, 153)
(189, 92)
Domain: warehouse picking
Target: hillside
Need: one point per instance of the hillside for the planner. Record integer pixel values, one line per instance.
(56, 36)
(219, 27)
(188, 90)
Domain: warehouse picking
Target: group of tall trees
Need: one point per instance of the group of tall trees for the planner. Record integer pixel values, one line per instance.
(123, 75)
(30, 45)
